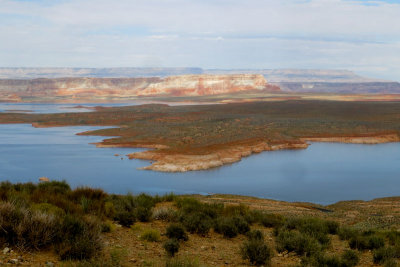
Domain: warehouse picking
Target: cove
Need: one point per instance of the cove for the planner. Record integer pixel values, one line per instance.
(324, 173)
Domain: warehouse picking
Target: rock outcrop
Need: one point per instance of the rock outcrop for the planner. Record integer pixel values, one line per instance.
(106, 88)
(176, 162)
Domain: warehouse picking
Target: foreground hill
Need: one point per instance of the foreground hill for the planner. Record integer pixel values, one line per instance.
(50, 224)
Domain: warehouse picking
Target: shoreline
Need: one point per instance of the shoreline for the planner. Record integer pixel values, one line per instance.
(164, 161)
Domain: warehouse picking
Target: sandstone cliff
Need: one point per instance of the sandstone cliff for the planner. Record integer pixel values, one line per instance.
(104, 88)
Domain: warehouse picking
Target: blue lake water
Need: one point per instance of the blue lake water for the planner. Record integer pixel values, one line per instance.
(324, 173)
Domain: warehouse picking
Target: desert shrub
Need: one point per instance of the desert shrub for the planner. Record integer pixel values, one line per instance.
(231, 226)
(48, 208)
(92, 200)
(254, 216)
(188, 205)
(272, 220)
(171, 246)
(25, 228)
(362, 242)
(197, 223)
(321, 260)
(393, 237)
(391, 263)
(236, 210)
(150, 235)
(114, 259)
(37, 229)
(349, 258)
(143, 207)
(255, 234)
(123, 207)
(383, 254)
(125, 218)
(375, 242)
(332, 227)
(177, 231)
(143, 214)
(300, 243)
(168, 197)
(227, 227)
(256, 251)
(164, 214)
(313, 227)
(358, 242)
(79, 238)
(54, 187)
(106, 227)
(185, 262)
(109, 210)
(191, 205)
(346, 233)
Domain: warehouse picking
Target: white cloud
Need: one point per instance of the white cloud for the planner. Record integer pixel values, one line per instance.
(205, 33)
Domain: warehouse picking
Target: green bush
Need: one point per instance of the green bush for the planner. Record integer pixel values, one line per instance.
(272, 220)
(346, 233)
(227, 227)
(391, 263)
(383, 254)
(393, 237)
(186, 262)
(177, 232)
(300, 243)
(362, 242)
(150, 235)
(171, 246)
(79, 238)
(350, 258)
(313, 227)
(143, 214)
(25, 228)
(165, 214)
(48, 208)
(236, 210)
(332, 227)
(143, 207)
(54, 187)
(125, 218)
(197, 223)
(231, 226)
(257, 252)
(255, 234)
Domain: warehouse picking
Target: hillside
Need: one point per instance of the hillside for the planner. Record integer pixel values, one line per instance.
(52, 224)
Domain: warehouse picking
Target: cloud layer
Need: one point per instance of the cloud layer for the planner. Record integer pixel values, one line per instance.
(359, 35)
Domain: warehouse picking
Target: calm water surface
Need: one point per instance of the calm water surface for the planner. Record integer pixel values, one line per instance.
(324, 173)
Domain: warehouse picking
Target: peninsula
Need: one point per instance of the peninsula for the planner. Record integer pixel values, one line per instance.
(199, 137)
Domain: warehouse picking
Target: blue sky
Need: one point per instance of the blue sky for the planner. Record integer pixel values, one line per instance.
(363, 36)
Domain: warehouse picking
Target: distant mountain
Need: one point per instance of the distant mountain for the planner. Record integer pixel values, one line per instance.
(302, 75)
(95, 89)
(33, 73)
(291, 80)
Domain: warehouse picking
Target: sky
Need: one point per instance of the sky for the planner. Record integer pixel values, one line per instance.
(358, 35)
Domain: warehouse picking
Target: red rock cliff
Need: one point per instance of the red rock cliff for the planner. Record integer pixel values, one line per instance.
(184, 85)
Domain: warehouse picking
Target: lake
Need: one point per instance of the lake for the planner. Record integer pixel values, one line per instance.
(324, 173)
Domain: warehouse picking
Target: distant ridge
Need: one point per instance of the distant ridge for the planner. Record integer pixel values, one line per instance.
(33, 73)
(289, 80)
(273, 75)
